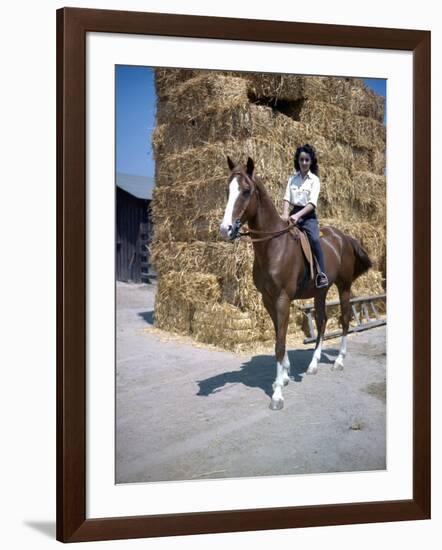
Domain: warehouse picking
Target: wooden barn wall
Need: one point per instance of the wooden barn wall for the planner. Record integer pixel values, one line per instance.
(131, 212)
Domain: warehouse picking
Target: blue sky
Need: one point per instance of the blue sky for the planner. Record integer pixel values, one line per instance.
(135, 117)
(378, 85)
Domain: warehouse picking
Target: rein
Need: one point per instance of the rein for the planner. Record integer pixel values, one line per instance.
(268, 234)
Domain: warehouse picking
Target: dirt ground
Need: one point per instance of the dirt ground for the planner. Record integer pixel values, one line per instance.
(186, 412)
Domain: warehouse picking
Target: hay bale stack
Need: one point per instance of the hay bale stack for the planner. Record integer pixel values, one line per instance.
(205, 284)
(224, 323)
(348, 93)
(179, 295)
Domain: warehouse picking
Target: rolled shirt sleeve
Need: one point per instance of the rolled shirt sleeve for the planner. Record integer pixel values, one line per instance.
(287, 195)
(314, 193)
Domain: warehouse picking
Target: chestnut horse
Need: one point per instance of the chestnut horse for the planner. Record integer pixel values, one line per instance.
(280, 271)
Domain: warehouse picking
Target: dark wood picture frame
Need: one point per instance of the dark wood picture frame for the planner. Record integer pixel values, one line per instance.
(72, 26)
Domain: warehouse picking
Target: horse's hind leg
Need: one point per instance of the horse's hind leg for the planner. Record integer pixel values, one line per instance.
(321, 321)
(344, 297)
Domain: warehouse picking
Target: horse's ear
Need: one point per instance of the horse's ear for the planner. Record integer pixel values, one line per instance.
(230, 163)
(250, 167)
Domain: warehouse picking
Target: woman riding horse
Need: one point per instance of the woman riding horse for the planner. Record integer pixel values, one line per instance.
(301, 199)
(279, 266)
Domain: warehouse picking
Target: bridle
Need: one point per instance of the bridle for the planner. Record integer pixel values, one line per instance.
(266, 235)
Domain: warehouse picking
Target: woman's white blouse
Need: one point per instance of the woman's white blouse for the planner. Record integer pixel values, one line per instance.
(301, 191)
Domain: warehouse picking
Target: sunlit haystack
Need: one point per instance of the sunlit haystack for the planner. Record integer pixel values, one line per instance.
(205, 285)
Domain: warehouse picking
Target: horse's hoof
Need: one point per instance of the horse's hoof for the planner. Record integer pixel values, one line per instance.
(312, 370)
(276, 405)
(337, 365)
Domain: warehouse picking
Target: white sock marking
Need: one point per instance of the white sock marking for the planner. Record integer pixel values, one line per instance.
(342, 351)
(318, 351)
(278, 383)
(313, 367)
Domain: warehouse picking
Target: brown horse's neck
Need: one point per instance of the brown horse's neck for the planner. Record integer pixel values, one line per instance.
(266, 217)
(280, 257)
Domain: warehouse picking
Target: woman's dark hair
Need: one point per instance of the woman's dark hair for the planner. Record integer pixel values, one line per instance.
(314, 168)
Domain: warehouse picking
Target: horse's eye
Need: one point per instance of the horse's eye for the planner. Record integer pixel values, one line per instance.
(246, 193)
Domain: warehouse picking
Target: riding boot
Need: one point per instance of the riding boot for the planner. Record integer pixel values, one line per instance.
(309, 224)
(321, 277)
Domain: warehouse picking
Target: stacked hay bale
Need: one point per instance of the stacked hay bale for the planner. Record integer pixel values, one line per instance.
(205, 285)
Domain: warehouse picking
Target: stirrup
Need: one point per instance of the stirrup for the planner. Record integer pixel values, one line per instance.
(321, 280)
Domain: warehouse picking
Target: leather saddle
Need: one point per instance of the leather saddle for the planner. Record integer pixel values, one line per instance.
(311, 260)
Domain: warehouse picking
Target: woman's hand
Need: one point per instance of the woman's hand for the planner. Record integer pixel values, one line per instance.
(295, 218)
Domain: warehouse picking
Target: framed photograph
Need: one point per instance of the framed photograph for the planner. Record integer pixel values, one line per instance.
(201, 163)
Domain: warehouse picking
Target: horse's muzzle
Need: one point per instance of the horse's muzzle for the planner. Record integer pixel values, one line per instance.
(225, 230)
(231, 232)
(234, 230)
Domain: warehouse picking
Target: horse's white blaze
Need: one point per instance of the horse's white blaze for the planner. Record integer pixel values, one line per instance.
(226, 224)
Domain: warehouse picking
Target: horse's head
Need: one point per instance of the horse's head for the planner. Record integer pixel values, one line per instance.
(241, 203)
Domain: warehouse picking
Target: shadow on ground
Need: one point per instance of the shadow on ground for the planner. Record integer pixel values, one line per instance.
(148, 317)
(260, 372)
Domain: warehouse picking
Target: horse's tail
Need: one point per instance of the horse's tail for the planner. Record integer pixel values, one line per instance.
(362, 260)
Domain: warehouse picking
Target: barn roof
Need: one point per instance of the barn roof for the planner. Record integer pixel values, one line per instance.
(138, 186)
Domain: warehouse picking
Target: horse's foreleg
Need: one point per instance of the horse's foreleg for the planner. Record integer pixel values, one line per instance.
(321, 321)
(271, 310)
(282, 311)
(344, 297)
